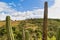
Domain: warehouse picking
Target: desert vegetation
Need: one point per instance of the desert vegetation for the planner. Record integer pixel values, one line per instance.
(30, 29)
(33, 29)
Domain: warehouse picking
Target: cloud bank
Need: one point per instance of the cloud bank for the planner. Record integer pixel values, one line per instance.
(54, 11)
(5, 9)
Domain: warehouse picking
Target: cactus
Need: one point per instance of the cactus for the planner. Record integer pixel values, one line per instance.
(58, 34)
(45, 22)
(27, 35)
(23, 33)
(22, 25)
(10, 35)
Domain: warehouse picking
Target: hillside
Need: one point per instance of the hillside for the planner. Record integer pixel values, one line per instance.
(32, 25)
(32, 21)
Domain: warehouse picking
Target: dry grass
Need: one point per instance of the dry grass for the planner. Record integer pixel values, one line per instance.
(13, 23)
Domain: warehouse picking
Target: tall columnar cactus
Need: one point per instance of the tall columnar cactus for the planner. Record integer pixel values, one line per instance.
(23, 30)
(58, 34)
(45, 21)
(23, 33)
(27, 35)
(10, 35)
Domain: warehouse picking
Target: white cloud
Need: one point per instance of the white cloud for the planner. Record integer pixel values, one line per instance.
(5, 9)
(54, 11)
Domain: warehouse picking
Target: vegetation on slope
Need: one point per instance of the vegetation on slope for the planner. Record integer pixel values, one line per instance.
(34, 26)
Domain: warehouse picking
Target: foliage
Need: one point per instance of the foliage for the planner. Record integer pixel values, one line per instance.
(17, 30)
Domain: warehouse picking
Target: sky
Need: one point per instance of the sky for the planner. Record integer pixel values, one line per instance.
(26, 9)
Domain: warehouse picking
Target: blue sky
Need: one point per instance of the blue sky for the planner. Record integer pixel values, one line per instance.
(26, 9)
(25, 5)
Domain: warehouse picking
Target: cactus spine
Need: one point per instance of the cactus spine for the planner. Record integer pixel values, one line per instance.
(58, 34)
(45, 22)
(9, 29)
